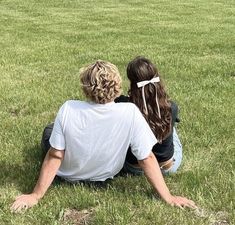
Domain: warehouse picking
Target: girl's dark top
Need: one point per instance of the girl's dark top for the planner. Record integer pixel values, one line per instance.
(163, 151)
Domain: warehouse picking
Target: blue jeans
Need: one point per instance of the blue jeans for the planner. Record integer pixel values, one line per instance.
(177, 159)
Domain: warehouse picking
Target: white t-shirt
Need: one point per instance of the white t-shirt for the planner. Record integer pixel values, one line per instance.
(96, 137)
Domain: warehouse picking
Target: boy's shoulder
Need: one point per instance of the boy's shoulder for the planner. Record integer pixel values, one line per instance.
(74, 104)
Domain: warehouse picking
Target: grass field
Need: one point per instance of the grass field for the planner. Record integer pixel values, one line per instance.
(44, 44)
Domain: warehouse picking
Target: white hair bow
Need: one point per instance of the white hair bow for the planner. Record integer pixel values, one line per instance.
(145, 82)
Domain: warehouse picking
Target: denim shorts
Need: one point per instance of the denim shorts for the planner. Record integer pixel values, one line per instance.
(177, 159)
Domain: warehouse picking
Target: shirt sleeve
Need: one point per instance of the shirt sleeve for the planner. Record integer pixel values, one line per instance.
(143, 138)
(57, 139)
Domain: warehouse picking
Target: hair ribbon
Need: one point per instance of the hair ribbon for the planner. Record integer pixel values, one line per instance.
(142, 85)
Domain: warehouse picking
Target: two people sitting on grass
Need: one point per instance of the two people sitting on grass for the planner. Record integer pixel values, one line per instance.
(90, 139)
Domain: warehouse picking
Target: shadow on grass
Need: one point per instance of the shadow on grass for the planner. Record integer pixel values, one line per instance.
(22, 175)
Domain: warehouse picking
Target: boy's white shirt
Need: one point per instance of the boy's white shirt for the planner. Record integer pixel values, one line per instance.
(96, 137)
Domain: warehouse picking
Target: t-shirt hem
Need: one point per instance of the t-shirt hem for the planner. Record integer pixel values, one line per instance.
(75, 180)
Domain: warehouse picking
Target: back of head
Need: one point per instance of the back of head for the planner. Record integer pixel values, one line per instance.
(101, 82)
(142, 69)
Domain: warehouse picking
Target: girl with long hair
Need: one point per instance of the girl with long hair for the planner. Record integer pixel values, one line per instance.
(147, 92)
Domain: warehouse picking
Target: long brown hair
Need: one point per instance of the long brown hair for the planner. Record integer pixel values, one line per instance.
(140, 69)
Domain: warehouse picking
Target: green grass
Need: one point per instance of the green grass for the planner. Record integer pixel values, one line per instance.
(44, 44)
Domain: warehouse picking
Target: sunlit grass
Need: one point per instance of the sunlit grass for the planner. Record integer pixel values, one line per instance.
(44, 44)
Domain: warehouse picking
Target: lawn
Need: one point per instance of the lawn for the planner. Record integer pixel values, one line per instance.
(43, 46)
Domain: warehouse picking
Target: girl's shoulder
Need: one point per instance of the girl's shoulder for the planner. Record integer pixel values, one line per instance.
(122, 98)
(174, 106)
(174, 111)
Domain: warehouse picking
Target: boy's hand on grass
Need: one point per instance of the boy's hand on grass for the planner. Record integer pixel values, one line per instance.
(24, 202)
(181, 202)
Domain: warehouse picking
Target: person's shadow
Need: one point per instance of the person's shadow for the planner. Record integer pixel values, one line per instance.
(25, 174)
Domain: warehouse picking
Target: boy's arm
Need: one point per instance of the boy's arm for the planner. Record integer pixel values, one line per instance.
(48, 171)
(153, 173)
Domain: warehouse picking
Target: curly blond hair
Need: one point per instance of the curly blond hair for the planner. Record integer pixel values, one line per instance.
(101, 82)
